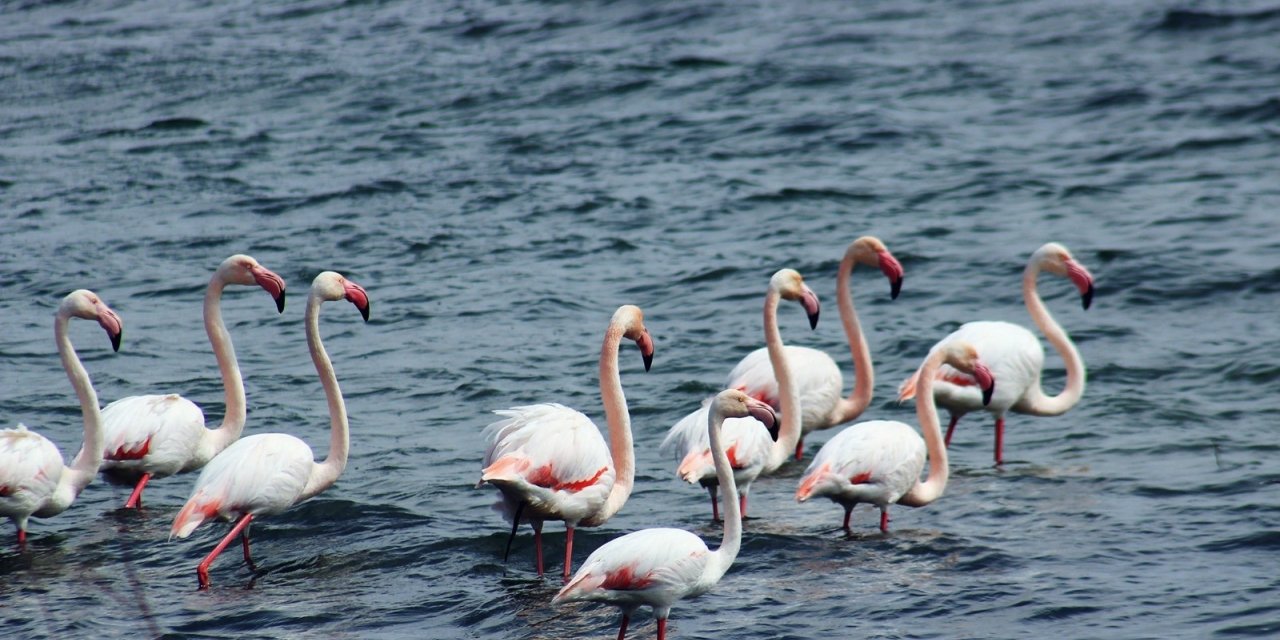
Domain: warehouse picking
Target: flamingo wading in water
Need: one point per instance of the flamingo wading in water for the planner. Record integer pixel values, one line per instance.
(33, 478)
(155, 436)
(879, 461)
(266, 473)
(658, 567)
(751, 448)
(550, 462)
(1015, 355)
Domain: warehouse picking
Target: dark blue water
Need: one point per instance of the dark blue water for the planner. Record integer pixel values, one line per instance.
(502, 175)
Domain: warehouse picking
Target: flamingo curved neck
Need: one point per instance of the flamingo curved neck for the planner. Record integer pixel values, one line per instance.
(324, 474)
(731, 543)
(1035, 402)
(931, 489)
(85, 465)
(234, 418)
(621, 447)
(864, 378)
(788, 395)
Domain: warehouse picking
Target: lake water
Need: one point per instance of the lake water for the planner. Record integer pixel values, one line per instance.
(501, 176)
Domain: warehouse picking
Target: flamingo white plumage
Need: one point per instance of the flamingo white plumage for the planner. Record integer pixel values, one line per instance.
(266, 473)
(1015, 355)
(155, 436)
(658, 567)
(551, 463)
(879, 461)
(751, 449)
(33, 478)
(816, 374)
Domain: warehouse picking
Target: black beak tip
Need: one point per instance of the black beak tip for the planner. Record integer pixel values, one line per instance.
(280, 303)
(813, 321)
(1087, 298)
(364, 312)
(648, 361)
(115, 340)
(895, 288)
(987, 393)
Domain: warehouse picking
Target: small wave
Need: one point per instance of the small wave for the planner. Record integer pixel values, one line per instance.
(1191, 20)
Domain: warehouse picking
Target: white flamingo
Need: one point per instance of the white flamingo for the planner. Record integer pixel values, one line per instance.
(1015, 355)
(551, 463)
(266, 473)
(155, 436)
(751, 449)
(658, 567)
(879, 461)
(33, 478)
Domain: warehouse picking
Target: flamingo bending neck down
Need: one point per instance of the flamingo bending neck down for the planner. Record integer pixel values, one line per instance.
(1015, 355)
(33, 478)
(880, 461)
(658, 567)
(266, 473)
(155, 436)
(550, 462)
(751, 448)
(817, 375)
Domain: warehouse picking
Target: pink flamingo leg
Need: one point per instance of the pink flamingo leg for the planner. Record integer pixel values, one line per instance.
(742, 506)
(537, 546)
(662, 629)
(568, 551)
(244, 544)
(22, 537)
(848, 511)
(715, 506)
(951, 428)
(800, 448)
(202, 570)
(622, 630)
(1000, 440)
(135, 498)
(884, 520)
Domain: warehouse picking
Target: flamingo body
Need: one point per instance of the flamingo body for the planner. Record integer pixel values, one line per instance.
(550, 457)
(653, 567)
(156, 434)
(874, 462)
(30, 468)
(815, 373)
(262, 474)
(1014, 356)
(747, 445)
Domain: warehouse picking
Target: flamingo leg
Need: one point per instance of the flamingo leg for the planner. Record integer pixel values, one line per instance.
(800, 448)
(715, 506)
(848, 511)
(742, 505)
(1000, 440)
(568, 551)
(515, 524)
(244, 546)
(662, 629)
(202, 570)
(884, 520)
(622, 630)
(537, 545)
(951, 428)
(22, 538)
(135, 498)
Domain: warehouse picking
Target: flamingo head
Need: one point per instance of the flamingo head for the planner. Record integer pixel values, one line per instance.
(1055, 259)
(733, 403)
(631, 320)
(83, 303)
(330, 286)
(964, 357)
(870, 251)
(790, 286)
(244, 270)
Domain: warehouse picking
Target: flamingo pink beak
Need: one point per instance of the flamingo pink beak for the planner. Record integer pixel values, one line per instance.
(272, 283)
(809, 300)
(1082, 279)
(646, 349)
(356, 294)
(986, 381)
(109, 321)
(892, 270)
(765, 414)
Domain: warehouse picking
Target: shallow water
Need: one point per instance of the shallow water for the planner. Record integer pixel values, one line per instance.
(501, 176)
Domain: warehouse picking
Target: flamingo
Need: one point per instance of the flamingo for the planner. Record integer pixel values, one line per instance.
(657, 567)
(550, 462)
(751, 449)
(879, 461)
(1015, 355)
(33, 478)
(266, 473)
(155, 436)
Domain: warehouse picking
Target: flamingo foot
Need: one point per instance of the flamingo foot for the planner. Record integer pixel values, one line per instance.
(135, 498)
(1000, 441)
(622, 630)
(951, 428)
(244, 545)
(568, 552)
(662, 629)
(202, 570)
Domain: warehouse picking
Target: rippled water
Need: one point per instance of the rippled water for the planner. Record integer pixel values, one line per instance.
(502, 175)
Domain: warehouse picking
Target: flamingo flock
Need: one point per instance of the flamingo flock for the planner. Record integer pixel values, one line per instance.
(549, 462)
